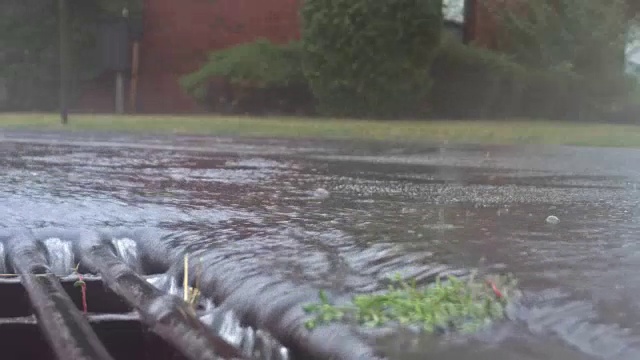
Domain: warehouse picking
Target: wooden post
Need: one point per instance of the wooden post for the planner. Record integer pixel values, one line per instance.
(119, 93)
(133, 87)
(65, 58)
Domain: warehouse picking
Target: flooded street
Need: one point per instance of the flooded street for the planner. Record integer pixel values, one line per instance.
(346, 216)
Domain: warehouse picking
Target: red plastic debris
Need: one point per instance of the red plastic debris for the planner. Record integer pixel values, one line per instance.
(83, 290)
(495, 289)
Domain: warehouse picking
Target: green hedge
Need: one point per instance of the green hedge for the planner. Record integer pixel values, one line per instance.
(255, 78)
(370, 58)
(471, 82)
(468, 82)
(260, 64)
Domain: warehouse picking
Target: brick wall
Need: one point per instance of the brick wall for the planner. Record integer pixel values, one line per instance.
(179, 34)
(482, 21)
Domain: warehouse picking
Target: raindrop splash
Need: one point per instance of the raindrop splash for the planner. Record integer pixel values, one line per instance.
(553, 220)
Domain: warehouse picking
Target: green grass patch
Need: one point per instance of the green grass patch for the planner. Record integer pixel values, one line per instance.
(447, 305)
(469, 132)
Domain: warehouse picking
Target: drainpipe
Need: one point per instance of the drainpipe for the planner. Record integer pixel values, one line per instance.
(120, 78)
(65, 59)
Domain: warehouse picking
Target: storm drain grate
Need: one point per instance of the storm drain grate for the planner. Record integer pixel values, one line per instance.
(116, 325)
(128, 315)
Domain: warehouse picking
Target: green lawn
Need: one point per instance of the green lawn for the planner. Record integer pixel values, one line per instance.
(493, 132)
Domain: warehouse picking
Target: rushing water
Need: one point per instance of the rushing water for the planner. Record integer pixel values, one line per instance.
(126, 250)
(347, 216)
(255, 344)
(60, 256)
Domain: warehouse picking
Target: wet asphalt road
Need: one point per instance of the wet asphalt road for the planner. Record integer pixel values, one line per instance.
(388, 208)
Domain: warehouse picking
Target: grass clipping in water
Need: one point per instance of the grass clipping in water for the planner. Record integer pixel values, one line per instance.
(191, 295)
(447, 305)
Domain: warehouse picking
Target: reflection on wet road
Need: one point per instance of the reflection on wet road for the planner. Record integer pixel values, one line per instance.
(387, 209)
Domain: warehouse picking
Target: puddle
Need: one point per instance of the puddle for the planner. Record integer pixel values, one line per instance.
(391, 210)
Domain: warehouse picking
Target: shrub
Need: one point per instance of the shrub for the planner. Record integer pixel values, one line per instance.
(254, 77)
(471, 82)
(626, 109)
(370, 58)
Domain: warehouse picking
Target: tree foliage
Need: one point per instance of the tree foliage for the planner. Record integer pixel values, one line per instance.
(586, 38)
(28, 51)
(370, 57)
(474, 82)
(29, 47)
